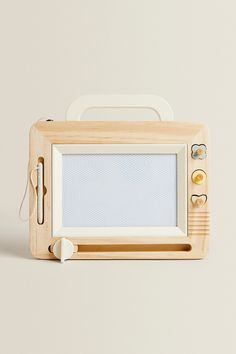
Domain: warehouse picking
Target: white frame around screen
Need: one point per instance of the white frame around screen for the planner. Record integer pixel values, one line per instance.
(60, 149)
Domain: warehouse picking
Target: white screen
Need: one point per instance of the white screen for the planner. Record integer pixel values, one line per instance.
(119, 190)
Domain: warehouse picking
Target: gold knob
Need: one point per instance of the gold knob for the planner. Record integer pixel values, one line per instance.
(199, 152)
(199, 177)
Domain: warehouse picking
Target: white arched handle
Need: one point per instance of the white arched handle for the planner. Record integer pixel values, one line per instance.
(154, 102)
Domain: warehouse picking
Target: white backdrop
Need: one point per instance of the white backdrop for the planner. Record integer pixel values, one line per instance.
(51, 52)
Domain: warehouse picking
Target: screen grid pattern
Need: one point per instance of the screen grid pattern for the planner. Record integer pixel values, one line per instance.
(119, 190)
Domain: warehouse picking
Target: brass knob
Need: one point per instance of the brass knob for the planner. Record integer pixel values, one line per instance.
(199, 151)
(199, 176)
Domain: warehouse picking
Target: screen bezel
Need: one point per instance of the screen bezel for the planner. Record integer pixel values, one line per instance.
(58, 150)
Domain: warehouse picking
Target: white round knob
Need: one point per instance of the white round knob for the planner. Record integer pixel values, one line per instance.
(63, 249)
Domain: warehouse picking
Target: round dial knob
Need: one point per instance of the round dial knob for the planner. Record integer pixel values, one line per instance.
(199, 177)
(63, 249)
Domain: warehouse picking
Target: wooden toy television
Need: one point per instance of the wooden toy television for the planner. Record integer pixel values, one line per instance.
(119, 190)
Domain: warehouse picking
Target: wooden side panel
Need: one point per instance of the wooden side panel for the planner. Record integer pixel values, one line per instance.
(40, 235)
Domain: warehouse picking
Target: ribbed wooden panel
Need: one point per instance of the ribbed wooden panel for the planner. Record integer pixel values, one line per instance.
(199, 223)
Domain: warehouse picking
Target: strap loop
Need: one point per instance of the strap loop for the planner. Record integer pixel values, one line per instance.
(29, 179)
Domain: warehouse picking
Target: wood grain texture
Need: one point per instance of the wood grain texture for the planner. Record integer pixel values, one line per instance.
(44, 134)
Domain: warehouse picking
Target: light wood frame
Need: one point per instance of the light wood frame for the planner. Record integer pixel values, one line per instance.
(48, 139)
